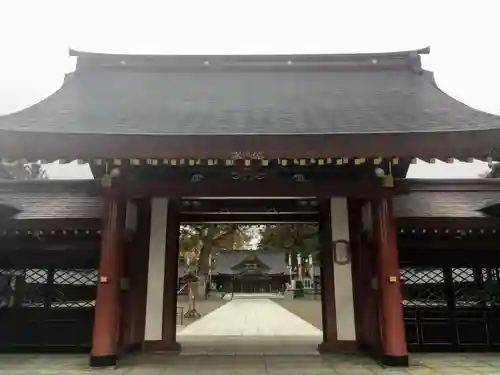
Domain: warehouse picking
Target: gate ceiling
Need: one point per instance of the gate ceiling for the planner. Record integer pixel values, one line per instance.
(250, 210)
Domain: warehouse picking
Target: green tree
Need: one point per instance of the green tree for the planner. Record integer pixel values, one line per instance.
(200, 240)
(295, 238)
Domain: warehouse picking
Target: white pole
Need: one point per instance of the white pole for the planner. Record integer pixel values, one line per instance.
(311, 267)
(210, 269)
(299, 266)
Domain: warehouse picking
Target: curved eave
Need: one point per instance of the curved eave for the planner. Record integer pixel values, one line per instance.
(492, 210)
(8, 210)
(446, 144)
(22, 142)
(85, 54)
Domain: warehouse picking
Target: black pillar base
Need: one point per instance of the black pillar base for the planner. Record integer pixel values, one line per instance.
(395, 360)
(103, 360)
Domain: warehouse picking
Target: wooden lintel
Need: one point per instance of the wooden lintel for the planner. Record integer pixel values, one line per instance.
(50, 224)
(258, 189)
(448, 223)
(246, 218)
(477, 256)
(26, 244)
(439, 144)
(474, 243)
(249, 206)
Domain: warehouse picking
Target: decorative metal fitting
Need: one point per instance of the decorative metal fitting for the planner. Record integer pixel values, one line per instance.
(298, 177)
(341, 252)
(197, 177)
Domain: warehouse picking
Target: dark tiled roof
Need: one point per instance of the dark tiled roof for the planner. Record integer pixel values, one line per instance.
(56, 205)
(52, 199)
(226, 260)
(447, 198)
(152, 98)
(444, 204)
(492, 210)
(8, 209)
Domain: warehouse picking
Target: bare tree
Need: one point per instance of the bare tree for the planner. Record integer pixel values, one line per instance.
(22, 171)
(494, 171)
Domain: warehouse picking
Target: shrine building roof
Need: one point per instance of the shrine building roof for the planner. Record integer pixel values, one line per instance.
(282, 106)
(227, 262)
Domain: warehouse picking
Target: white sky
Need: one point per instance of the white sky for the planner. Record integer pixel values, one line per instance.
(35, 36)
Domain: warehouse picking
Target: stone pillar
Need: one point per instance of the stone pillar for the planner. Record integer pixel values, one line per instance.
(161, 297)
(394, 350)
(107, 308)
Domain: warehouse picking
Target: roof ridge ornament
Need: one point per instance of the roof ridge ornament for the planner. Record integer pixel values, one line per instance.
(247, 155)
(415, 62)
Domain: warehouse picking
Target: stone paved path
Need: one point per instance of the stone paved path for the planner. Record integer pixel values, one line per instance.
(272, 296)
(250, 317)
(249, 345)
(158, 364)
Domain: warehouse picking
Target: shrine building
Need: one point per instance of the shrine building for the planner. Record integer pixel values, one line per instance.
(405, 265)
(251, 271)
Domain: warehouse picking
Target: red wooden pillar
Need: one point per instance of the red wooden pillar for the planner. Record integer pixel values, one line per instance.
(107, 308)
(394, 350)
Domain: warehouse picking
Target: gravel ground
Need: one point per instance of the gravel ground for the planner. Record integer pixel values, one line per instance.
(309, 310)
(203, 306)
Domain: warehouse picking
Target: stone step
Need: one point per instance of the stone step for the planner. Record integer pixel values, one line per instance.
(234, 296)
